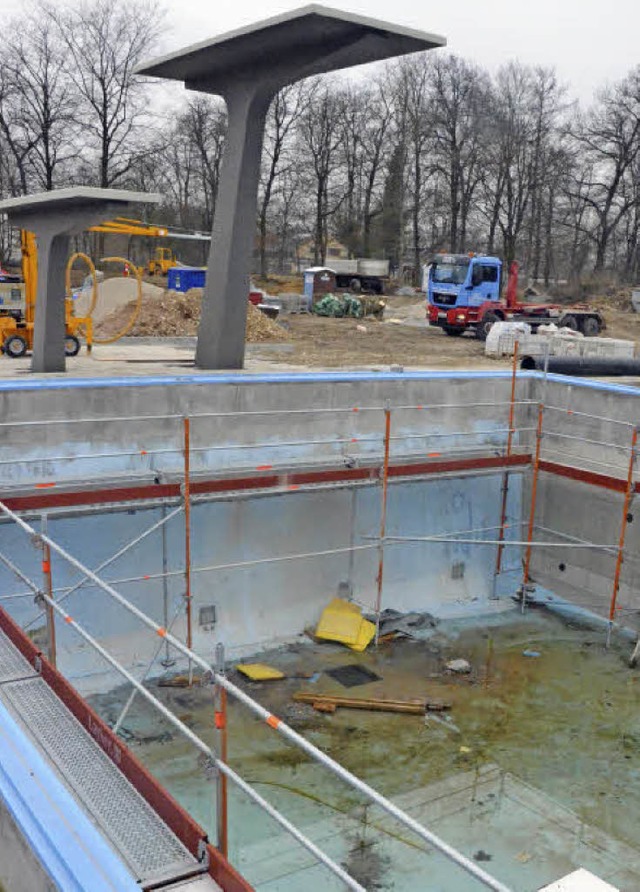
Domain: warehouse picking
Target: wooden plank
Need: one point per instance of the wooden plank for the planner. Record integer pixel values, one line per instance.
(375, 704)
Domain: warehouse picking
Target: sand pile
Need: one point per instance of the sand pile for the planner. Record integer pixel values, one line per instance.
(114, 295)
(178, 315)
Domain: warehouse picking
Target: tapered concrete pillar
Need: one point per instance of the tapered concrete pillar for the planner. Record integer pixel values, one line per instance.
(49, 327)
(221, 334)
(54, 217)
(247, 67)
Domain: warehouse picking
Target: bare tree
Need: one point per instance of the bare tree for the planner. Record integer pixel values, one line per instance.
(413, 137)
(205, 125)
(44, 104)
(17, 142)
(511, 157)
(278, 155)
(320, 138)
(458, 103)
(105, 40)
(609, 138)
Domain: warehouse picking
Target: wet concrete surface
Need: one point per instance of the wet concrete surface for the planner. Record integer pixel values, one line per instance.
(563, 724)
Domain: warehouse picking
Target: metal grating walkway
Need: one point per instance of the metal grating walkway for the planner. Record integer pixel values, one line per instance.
(144, 842)
(12, 664)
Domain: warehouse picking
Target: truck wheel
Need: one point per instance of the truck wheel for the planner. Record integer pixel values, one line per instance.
(71, 345)
(569, 322)
(355, 285)
(484, 326)
(590, 327)
(453, 332)
(15, 346)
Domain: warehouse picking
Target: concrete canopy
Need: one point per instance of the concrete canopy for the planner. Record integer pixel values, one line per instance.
(247, 67)
(316, 38)
(74, 198)
(53, 217)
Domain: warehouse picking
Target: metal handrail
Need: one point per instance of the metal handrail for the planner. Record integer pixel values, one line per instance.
(315, 410)
(271, 720)
(193, 738)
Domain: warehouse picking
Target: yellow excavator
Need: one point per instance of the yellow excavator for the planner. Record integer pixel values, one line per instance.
(17, 318)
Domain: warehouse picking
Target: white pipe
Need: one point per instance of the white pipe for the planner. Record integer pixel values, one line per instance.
(523, 542)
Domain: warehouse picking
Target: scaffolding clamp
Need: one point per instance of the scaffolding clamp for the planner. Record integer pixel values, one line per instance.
(203, 853)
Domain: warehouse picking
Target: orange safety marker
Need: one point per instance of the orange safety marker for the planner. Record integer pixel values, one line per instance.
(220, 721)
(44, 485)
(162, 632)
(273, 721)
(68, 619)
(354, 439)
(433, 454)
(293, 486)
(355, 409)
(46, 567)
(143, 452)
(146, 577)
(264, 467)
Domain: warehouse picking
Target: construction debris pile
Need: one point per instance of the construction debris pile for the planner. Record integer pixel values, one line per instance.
(178, 315)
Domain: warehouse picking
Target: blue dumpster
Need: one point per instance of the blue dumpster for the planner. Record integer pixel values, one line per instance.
(183, 278)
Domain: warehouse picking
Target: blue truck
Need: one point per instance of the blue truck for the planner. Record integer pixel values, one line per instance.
(464, 293)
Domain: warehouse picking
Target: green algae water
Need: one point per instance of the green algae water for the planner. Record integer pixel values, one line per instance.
(545, 703)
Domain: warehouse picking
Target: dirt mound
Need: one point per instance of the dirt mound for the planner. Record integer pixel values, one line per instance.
(275, 285)
(178, 315)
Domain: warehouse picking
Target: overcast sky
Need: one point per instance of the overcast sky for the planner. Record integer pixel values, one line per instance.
(589, 42)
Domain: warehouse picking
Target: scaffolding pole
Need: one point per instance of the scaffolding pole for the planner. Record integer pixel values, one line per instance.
(269, 719)
(66, 592)
(221, 766)
(222, 819)
(505, 477)
(383, 516)
(186, 494)
(48, 588)
(532, 509)
(628, 494)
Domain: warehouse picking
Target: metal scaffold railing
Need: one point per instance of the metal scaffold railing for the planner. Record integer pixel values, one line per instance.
(392, 451)
(272, 721)
(361, 452)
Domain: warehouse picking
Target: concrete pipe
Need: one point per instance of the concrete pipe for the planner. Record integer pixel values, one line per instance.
(583, 367)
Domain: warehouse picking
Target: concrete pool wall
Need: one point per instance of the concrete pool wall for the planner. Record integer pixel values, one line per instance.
(108, 434)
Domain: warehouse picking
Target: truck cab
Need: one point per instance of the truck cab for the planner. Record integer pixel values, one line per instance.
(458, 286)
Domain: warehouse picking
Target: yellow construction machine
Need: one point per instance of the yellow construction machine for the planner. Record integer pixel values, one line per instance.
(163, 260)
(16, 322)
(17, 314)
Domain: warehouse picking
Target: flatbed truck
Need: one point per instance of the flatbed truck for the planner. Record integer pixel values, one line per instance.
(464, 293)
